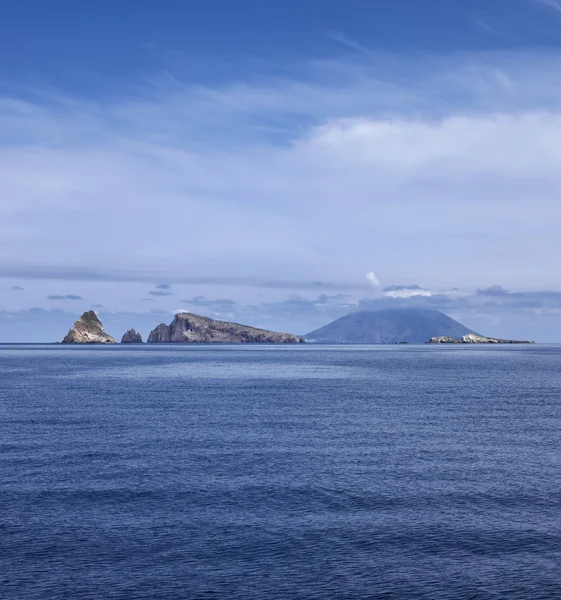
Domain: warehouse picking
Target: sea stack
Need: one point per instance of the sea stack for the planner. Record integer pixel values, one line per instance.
(131, 337)
(187, 328)
(88, 330)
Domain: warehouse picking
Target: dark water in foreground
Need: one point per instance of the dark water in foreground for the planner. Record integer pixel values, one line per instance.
(280, 472)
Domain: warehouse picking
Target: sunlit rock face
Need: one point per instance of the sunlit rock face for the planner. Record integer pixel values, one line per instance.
(188, 328)
(88, 330)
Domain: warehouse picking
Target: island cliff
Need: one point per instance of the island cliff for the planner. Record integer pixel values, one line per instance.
(188, 328)
(131, 337)
(88, 330)
(473, 338)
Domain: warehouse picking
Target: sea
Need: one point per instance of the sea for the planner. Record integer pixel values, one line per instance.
(280, 472)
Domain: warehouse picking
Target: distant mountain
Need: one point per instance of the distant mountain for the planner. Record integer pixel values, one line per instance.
(415, 326)
(188, 328)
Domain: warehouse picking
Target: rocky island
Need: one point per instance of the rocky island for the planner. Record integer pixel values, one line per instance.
(188, 328)
(131, 337)
(473, 338)
(88, 330)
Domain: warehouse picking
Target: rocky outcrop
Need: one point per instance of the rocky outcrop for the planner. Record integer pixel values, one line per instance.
(188, 328)
(131, 337)
(444, 339)
(88, 330)
(474, 338)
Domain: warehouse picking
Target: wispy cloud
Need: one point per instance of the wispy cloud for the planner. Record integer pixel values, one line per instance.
(484, 25)
(64, 297)
(553, 4)
(344, 40)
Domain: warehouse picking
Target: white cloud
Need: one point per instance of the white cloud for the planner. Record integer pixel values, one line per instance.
(373, 278)
(514, 146)
(553, 4)
(407, 293)
(341, 38)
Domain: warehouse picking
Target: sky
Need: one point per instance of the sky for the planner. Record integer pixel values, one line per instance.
(279, 164)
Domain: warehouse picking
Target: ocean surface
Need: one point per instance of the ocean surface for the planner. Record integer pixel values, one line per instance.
(253, 472)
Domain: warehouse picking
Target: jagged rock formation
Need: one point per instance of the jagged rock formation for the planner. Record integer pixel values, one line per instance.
(88, 330)
(473, 338)
(131, 337)
(188, 328)
(391, 326)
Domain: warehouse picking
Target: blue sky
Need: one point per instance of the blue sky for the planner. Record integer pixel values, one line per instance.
(279, 163)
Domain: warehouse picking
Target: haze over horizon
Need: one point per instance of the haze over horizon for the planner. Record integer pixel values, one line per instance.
(280, 164)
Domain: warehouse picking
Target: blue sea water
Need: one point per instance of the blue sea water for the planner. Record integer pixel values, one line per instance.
(253, 472)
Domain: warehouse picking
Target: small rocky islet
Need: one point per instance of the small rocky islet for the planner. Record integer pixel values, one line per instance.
(131, 337)
(473, 338)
